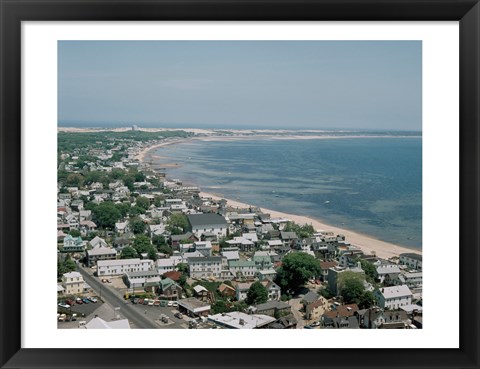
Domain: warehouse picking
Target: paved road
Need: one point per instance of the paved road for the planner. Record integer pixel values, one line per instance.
(133, 315)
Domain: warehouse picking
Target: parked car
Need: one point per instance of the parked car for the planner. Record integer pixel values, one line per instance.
(146, 302)
(156, 303)
(62, 317)
(178, 315)
(79, 301)
(170, 303)
(85, 300)
(163, 303)
(140, 301)
(174, 303)
(150, 302)
(63, 305)
(135, 300)
(93, 299)
(70, 302)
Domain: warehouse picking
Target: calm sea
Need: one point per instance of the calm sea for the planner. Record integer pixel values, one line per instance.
(369, 185)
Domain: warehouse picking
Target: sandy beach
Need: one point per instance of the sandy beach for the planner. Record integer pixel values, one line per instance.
(367, 243)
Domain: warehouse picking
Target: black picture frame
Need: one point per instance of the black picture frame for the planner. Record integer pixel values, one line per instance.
(13, 12)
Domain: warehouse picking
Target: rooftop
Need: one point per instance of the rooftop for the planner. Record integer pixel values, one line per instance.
(395, 291)
(197, 220)
(239, 320)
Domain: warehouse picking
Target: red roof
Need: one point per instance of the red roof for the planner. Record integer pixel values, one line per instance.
(173, 275)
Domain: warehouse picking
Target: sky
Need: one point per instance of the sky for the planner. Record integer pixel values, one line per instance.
(235, 84)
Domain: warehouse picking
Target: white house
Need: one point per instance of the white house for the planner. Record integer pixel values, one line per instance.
(393, 297)
(122, 266)
(204, 267)
(207, 223)
(167, 265)
(412, 260)
(100, 253)
(138, 279)
(72, 283)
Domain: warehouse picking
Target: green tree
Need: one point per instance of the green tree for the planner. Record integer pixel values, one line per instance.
(352, 289)
(65, 266)
(135, 211)
(74, 233)
(106, 214)
(256, 294)
(75, 180)
(219, 307)
(158, 240)
(369, 269)
(143, 202)
(165, 249)
(142, 244)
(152, 253)
(304, 231)
(177, 223)
(123, 208)
(182, 267)
(158, 201)
(129, 253)
(137, 225)
(296, 269)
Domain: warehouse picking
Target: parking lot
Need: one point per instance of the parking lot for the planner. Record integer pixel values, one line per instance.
(155, 312)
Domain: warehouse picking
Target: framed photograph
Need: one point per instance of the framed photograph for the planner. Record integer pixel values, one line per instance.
(104, 103)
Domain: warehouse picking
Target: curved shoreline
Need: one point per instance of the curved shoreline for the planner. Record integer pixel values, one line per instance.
(367, 243)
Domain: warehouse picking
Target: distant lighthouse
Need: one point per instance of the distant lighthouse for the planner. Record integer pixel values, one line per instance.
(134, 127)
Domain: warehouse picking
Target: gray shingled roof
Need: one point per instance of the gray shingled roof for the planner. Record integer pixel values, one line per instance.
(206, 219)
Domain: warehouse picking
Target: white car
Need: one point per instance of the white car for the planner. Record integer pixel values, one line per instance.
(174, 303)
(170, 303)
(66, 306)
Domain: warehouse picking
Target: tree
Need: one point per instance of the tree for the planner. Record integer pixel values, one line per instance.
(182, 267)
(296, 269)
(369, 269)
(158, 201)
(74, 179)
(65, 266)
(135, 211)
(143, 202)
(106, 214)
(142, 244)
(158, 240)
(352, 289)
(137, 225)
(74, 233)
(129, 253)
(152, 253)
(177, 223)
(123, 207)
(165, 249)
(304, 231)
(256, 294)
(220, 307)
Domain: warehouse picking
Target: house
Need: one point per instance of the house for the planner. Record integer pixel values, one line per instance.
(375, 318)
(141, 278)
(72, 283)
(274, 291)
(100, 253)
(383, 271)
(193, 307)
(99, 323)
(325, 266)
(315, 309)
(273, 308)
(242, 243)
(239, 320)
(176, 240)
(173, 275)
(204, 267)
(201, 292)
(122, 266)
(122, 227)
(230, 255)
(266, 274)
(170, 290)
(207, 223)
(262, 260)
(73, 244)
(393, 297)
(242, 268)
(98, 242)
(226, 290)
(167, 265)
(203, 247)
(412, 280)
(331, 320)
(87, 226)
(309, 297)
(412, 260)
(290, 239)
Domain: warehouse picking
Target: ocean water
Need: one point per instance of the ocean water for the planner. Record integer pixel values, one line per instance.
(369, 185)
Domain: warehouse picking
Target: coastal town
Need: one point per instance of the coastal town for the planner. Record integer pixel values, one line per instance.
(137, 249)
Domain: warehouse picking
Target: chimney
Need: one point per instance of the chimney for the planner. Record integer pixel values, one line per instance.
(241, 321)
